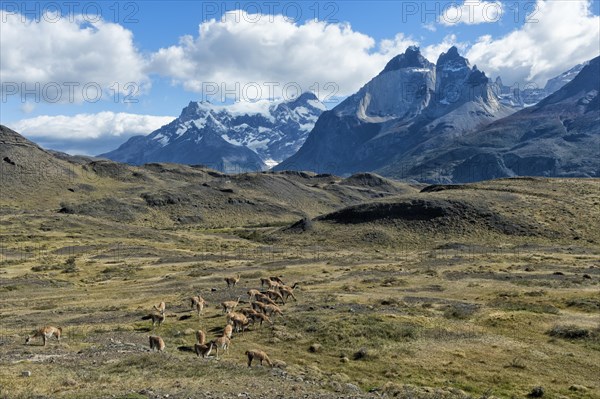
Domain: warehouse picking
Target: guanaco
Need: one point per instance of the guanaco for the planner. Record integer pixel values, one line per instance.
(247, 311)
(240, 322)
(229, 306)
(200, 337)
(273, 284)
(228, 331)
(275, 295)
(258, 306)
(273, 310)
(265, 281)
(161, 307)
(258, 355)
(252, 294)
(287, 292)
(46, 333)
(232, 281)
(203, 349)
(222, 342)
(157, 318)
(277, 280)
(200, 304)
(266, 300)
(156, 343)
(259, 317)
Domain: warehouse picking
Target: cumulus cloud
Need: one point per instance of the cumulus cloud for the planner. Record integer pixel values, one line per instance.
(89, 126)
(472, 12)
(560, 35)
(57, 57)
(254, 50)
(87, 134)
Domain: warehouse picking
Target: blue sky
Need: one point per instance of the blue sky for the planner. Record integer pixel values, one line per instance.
(155, 50)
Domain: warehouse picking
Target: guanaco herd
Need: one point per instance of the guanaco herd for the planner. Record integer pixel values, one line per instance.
(264, 307)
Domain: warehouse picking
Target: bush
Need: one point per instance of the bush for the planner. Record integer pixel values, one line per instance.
(569, 332)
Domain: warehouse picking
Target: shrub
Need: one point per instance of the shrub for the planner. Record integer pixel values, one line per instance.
(569, 332)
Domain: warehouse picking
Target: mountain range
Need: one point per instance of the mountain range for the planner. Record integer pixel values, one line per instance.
(445, 123)
(439, 123)
(227, 138)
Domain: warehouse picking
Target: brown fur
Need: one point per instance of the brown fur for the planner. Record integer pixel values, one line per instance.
(161, 307)
(232, 281)
(156, 343)
(203, 349)
(46, 333)
(200, 337)
(222, 342)
(258, 355)
(229, 306)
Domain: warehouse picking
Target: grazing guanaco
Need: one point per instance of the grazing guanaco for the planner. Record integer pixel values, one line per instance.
(258, 306)
(266, 300)
(222, 342)
(228, 331)
(275, 295)
(240, 322)
(193, 301)
(157, 318)
(229, 306)
(273, 284)
(46, 333)
(265, 281)
(232, 281)
(161, 307)
(156, 343)
(252, 294)
(258, 355)
(203, 349)
(287, 292)
(247, 311)
(200, 337)
(259, 318)
(277, 280)
(273, 310)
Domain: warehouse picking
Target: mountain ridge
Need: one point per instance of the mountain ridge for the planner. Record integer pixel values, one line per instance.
(261, 133)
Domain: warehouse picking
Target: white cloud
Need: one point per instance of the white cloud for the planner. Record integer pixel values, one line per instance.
(472, 12)
(275, 49)
(58, 53)
(89, 126)
(565, 33)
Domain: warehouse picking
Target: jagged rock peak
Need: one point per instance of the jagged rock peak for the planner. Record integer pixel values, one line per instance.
(452, 60)
(411, 58)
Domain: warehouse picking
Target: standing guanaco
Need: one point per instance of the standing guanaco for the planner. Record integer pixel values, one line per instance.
(232, 281)
(157, 318)
(259, 317)
(46, 333)
(200, 337)
(228, 331)
(221, 342)
(198, 303)
(156, 343)
(229, 306)
(161, 307)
